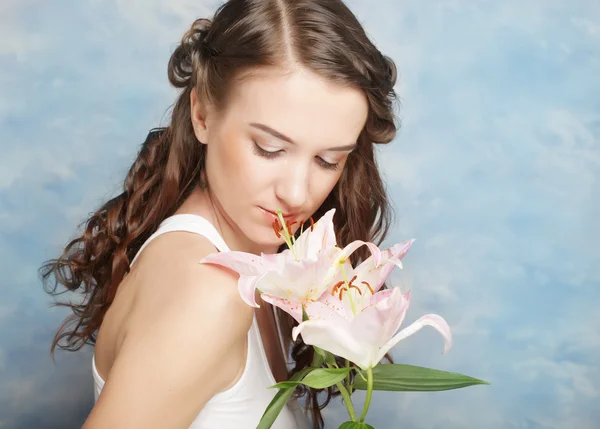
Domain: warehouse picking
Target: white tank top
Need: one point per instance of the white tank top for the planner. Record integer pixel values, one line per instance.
(242, 405)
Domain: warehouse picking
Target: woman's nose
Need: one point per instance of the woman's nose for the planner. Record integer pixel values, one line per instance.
(293, 187)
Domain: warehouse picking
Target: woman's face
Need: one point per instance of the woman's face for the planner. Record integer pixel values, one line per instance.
(280, 144)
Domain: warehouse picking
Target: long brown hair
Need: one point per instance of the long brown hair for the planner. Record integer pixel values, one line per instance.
(321, 35)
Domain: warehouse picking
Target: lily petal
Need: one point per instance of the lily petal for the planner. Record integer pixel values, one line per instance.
(296, 280)
(399, 251)
(433, 320)
(246, 264)
(367, 273)
(352, 247)
(379, 321)
(293, 308)
(320, 236)
(337, 305)
(336, 338)
(375, 273)
(247, 289)
(318, 310)
(382, 295)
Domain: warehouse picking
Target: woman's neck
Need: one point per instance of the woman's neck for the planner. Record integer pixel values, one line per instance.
(202, 203)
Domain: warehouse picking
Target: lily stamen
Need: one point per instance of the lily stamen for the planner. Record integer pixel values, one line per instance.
(312, 224)
(357, 288)
(277, 228)
(369, 286)
(336, 287)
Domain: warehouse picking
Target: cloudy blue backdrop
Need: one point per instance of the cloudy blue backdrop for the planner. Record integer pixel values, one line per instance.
(495, 172)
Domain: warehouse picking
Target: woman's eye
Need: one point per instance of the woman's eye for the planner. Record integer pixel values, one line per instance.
(257, 150)
(264, 153)
(327, 165)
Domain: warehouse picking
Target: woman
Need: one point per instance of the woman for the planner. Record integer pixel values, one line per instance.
(281, 103)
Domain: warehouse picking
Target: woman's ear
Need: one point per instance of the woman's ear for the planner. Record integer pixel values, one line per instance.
(198, 113)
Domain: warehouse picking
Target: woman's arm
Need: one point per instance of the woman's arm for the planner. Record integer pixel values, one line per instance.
(190, 346)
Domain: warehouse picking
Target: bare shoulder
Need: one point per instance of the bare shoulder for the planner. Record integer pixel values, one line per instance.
(186, 339)
(170, 274)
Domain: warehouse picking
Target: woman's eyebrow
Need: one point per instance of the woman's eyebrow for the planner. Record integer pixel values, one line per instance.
(285, 138)
(276, 134)
(351, 146)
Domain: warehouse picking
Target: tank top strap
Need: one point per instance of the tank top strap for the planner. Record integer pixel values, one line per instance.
(189, 223)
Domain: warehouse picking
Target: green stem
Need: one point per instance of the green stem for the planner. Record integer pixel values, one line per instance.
(289, 239)
(369, 393)
(348, 378)
(347, 401)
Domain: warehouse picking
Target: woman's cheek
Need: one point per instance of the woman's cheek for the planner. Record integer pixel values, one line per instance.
(248, 169)
(324, 184)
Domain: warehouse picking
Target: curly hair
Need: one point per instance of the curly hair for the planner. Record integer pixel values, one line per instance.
(321, 35)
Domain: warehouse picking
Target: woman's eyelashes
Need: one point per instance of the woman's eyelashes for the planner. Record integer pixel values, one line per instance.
(257, 150)
(327, 165)
(264, 153)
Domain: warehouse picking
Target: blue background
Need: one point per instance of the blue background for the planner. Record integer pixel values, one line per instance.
(495, 172)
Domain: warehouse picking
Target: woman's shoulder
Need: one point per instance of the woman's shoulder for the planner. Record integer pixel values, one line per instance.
(179, 300)
(186, 335)
(169, 273)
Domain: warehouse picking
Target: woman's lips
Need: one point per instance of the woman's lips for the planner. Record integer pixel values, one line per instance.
(286, 216)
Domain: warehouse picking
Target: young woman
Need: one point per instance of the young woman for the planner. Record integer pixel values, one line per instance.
(281, 103)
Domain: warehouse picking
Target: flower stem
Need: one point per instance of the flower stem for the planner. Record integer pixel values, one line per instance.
(347, 401)
(369, 393)
(289, 239)
(348, 378)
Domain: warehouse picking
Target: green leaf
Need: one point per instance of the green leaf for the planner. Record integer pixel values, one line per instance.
(327, 356)
(304, 314)
(318, 378)
(355, 425)
(317, 361)
(319, 351)
(409, 378)
(279, 401)
(318, 357)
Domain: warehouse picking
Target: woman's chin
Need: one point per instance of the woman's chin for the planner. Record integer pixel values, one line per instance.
(263, 243)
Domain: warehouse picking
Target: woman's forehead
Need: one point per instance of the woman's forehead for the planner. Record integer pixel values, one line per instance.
(300, 104)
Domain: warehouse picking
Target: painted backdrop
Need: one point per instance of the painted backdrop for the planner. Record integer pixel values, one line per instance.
(495, 172)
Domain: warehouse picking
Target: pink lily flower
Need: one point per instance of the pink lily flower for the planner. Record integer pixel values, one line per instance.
(301, 273)
(355, 321)
(374, 270)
